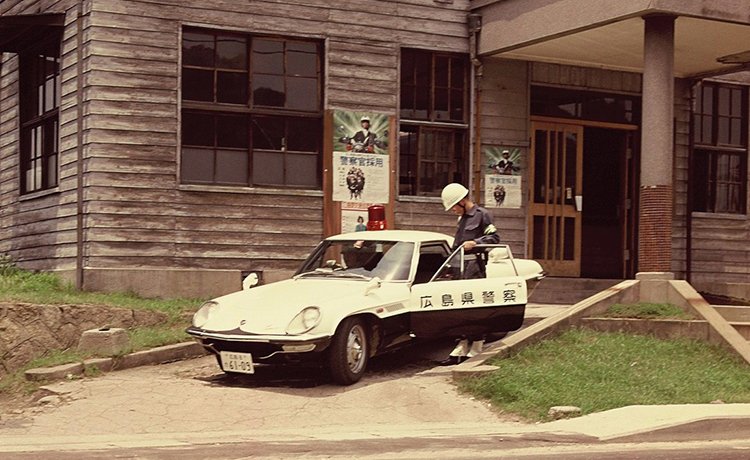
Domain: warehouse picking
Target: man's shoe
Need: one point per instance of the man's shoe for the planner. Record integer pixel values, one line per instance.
(453, 360)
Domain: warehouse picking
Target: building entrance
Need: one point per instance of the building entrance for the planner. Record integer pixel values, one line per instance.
(582, 201)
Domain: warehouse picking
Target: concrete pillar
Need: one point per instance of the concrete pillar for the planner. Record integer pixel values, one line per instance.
(656, 194)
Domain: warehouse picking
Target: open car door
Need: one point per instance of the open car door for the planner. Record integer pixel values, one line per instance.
(451, 304)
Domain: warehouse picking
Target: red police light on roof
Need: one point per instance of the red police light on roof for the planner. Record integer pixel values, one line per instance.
(376, 217)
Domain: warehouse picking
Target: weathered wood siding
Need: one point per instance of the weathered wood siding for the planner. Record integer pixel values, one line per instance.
(40, 232)
(504, 105)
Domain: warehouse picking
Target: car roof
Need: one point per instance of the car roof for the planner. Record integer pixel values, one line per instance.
(412, 236)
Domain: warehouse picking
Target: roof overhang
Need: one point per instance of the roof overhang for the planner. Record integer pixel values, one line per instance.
(23, 31)
(610, 33)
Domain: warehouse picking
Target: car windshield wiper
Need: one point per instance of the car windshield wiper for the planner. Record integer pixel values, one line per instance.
(351, 275)
(317, 272)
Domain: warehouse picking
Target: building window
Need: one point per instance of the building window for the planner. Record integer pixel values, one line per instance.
(719, 163)
(39, 107)
(252, 110)
(433, 141)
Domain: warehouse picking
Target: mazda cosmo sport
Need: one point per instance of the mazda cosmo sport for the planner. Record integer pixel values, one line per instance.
(361, 294)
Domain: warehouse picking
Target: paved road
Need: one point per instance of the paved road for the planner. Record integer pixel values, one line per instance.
(405, 407)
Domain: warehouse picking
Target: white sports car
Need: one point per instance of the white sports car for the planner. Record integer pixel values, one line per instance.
(360, 294)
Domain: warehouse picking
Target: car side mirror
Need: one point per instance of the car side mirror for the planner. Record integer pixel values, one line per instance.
(372, 285)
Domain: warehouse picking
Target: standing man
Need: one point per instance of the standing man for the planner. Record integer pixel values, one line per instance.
(474, 227)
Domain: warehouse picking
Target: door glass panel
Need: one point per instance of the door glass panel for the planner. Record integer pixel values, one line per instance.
(540, 166)
(538, 249)
(571, 149)
(569, 240)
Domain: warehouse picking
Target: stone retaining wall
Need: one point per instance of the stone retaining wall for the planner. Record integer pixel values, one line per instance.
(27, 330)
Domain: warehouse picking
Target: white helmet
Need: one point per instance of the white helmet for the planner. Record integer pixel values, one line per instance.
(452, 194)
(364, 118)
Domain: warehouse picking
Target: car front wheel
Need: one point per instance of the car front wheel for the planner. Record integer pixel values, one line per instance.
(349, 352)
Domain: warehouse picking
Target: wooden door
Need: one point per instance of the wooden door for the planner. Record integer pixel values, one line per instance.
(556, 197)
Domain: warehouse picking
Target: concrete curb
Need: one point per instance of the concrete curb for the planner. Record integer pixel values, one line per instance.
(159, 355)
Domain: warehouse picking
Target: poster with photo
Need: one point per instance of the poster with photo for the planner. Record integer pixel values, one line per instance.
(503, 160)
(502, 182)
(353, 220)
(360, 177)
(502, 191)
(360, 132)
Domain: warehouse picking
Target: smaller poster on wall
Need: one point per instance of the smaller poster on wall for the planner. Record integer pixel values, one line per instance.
(360, 177)
(502, 182)
(353, 220)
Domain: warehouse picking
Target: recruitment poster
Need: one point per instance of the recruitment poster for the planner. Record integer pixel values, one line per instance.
(502, 182)
(361, 164)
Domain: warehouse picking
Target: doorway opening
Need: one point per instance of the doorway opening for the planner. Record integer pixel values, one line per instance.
(607, 203)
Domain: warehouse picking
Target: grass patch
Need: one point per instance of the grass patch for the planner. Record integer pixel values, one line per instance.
(17, 285)
(47, 288)
(645, 310)
(601, 371)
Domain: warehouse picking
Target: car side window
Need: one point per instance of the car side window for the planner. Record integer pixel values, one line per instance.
(431, 257)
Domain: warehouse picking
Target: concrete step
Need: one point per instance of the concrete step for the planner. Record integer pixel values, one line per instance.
(734, 313)
(568, 291)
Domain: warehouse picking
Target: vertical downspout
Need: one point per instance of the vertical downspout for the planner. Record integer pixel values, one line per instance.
(475, 25)
(690, 187)
(79, 148)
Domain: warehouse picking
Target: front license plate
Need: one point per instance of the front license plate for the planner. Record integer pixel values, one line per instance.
(237, 362)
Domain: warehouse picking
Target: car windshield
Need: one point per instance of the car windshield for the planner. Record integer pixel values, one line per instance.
(387, 260)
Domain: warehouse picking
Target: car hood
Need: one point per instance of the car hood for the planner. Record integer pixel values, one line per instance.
(268, 309)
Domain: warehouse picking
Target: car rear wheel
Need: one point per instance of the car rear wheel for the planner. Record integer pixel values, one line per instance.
(349, 352)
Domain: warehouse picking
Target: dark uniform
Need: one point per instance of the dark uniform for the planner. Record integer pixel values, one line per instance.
(475, 224)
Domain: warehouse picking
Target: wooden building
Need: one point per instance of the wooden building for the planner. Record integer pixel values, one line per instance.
(167, 147)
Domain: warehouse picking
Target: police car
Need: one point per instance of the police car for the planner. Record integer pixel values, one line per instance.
(361, 294)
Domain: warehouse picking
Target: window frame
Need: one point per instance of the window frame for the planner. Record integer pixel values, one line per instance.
(717, 158)
(39, 116)
(253, 112)
(422, 125)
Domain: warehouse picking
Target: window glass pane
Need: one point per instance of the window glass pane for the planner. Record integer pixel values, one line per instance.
(302, 170)
(198, 49)
(708, 130)
(723, 131)
(231, 131)
(231, 52)
(302, 59)
(736, 132)
(231, 87)
(268, 133)
(52, 171)
(440, 108)
(197, 129)
(407, 67)
(302, 93)
(708, 99)
(724, 103)
(457, 105)
(50, 82)
(268, 56)
(458, 73)
(303, 134)
(231, 167)
(197, 165)
(408, 143)
(268, 168)
(268, 90)
(701, 174)
(442, 70)
(736, 102)
(197, 85)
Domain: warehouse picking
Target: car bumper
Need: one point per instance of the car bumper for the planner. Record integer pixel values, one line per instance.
(264, 348)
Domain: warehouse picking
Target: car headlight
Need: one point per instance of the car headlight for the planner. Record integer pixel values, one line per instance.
(201, 317)
(305, 320)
